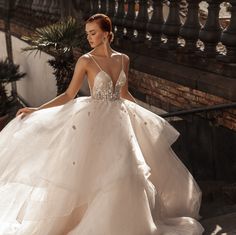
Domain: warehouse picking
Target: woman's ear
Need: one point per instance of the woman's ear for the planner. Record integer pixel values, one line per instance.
(106, 34)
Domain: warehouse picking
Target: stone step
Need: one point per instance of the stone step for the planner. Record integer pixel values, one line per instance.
(224, 224)
(216, 209)
(219, 198)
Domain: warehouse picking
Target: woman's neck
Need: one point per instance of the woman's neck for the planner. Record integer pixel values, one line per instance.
(103, 50)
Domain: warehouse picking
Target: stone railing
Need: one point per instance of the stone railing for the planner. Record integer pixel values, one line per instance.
(31, 13)
(156, 34)
(204, 40)
(142, 22)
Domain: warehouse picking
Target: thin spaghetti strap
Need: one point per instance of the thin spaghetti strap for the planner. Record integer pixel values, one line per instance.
(95, 61)
(122, 62)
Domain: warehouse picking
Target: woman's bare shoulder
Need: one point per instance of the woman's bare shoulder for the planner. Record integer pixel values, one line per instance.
(83, 60)
(126, 57)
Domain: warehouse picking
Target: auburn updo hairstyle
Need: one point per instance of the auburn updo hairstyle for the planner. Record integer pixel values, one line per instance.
(104, 23)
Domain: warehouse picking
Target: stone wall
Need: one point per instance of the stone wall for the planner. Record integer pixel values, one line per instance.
(172, 96)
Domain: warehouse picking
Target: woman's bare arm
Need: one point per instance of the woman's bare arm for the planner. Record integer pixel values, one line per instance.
(125, 90)
(69, 94)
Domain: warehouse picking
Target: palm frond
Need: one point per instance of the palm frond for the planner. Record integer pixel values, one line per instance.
(9, 72)
(57, 38)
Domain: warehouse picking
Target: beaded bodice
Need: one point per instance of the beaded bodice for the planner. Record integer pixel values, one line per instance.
(104, 88)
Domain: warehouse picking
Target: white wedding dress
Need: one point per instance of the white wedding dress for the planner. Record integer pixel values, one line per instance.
(98, 165)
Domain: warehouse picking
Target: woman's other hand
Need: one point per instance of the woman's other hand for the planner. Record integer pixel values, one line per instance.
(26, 111)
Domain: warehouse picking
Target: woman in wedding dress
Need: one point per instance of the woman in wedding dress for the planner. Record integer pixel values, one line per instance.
(97, 165)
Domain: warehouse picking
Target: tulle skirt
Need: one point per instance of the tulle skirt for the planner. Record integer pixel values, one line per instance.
(94, 167)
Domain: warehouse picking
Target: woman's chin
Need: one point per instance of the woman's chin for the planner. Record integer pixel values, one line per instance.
(92, 45)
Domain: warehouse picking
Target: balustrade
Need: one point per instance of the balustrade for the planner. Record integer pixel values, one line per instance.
(172, 25)
(54, 10)
(140, 22)
(133, 20)
(103, 8)
(228, 37)
(86, 7)
(210, 33)
(128, 20)
(95, 7)
(190, 30)
(118, 20)
(154, 26)
(111, 8)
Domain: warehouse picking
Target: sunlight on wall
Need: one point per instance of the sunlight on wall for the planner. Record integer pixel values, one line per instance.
(39, 85)
(3, 54)
(3, 50)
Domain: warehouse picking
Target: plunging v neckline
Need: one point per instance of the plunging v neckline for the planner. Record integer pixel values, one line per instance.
(114, 84)
(101, 70)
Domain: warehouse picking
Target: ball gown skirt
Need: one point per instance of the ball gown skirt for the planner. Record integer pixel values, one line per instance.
(94, 167)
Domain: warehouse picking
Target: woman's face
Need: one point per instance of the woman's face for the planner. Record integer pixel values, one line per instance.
(95, 34)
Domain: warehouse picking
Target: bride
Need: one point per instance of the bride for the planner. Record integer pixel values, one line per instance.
(97, 165)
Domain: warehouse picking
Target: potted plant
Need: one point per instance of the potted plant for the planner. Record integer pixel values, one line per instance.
(59, 40)
(9, 72)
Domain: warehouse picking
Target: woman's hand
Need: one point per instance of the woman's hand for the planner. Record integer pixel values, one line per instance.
(26, 111)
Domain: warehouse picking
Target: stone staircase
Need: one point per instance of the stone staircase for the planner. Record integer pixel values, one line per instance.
(218, 209)
(223, 224)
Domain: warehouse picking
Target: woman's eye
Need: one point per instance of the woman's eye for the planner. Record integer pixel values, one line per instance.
(90, 34)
